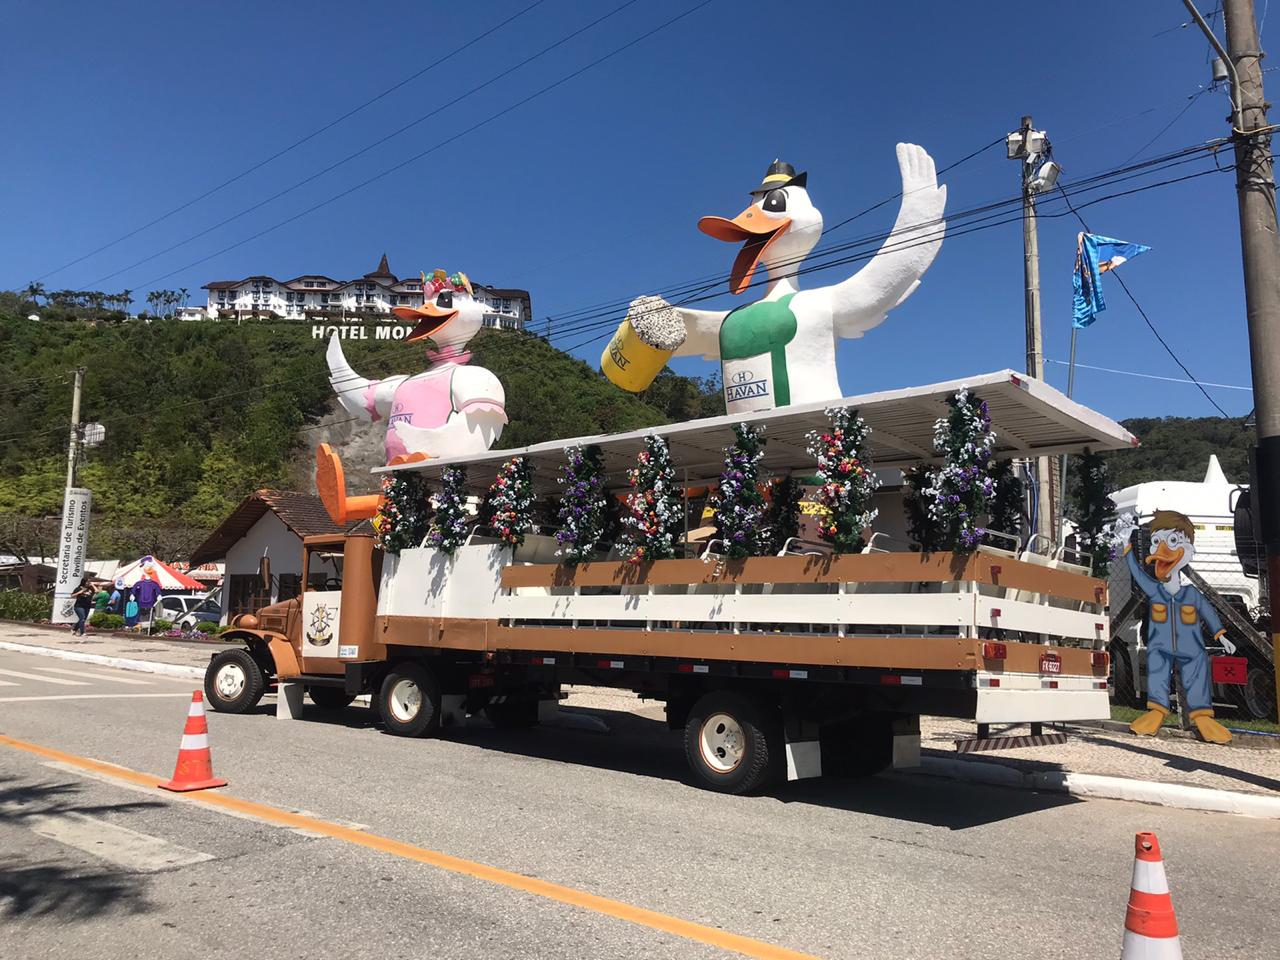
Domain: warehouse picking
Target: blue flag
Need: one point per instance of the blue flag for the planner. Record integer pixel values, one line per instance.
(1096, 255)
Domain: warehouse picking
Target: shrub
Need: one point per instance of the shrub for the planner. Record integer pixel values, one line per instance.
(162, 625)
(16, 605)
(204, 626)
(107, 621)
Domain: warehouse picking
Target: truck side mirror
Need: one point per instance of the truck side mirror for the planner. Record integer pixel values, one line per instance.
(264, 571)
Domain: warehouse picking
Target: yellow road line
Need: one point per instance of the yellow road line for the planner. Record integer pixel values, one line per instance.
(443, 861)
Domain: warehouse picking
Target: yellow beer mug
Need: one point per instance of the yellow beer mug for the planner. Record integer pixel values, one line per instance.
(634, 357)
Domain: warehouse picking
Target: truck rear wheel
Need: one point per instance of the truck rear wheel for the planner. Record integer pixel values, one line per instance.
(730, 744)
(233, 682)
(329, 698)
(409, 701)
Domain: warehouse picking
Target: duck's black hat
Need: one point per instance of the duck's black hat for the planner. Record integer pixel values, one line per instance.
(781, 174)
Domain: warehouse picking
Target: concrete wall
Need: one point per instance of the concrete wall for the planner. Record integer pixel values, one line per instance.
(283, 546)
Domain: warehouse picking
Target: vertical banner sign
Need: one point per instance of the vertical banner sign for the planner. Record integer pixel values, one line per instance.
(73, 546)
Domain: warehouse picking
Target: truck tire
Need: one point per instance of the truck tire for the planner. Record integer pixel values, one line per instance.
(233, 682)
(1258, 694)
(409, 701)
(861, 747)
(520, 714)
(730, 743)
(330, 698)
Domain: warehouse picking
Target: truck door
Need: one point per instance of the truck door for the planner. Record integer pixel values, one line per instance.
(322, 609)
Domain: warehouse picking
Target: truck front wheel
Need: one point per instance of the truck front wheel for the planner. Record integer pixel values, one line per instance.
(233, 682)
(409, 701)
(730, 744)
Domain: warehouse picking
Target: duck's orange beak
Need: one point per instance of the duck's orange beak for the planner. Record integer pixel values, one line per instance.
(1165, 559)
(757, 230)
(428, 317)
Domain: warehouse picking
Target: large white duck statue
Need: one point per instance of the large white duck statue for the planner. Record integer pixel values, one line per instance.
(781, 349)
(452, 408)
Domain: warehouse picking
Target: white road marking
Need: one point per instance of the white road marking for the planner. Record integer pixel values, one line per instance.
(36, 676)
(96, 676)
(111, 842)
(8, 683)
(91, 696)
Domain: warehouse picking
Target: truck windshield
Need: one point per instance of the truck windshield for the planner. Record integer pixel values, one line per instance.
(324, 570)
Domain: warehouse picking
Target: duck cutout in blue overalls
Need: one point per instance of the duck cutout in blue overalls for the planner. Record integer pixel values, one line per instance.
(1174, 628)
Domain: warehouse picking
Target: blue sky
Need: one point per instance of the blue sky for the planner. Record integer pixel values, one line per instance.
(592, 192)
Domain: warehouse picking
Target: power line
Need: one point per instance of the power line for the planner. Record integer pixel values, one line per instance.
(365, 149)
(991, 217)
(1151, 376)
(435, 62)
(573, 322)
(1143, 314)
(989, 212)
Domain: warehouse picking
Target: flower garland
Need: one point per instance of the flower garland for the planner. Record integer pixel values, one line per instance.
(510, 501)
(583, 507)
(404, 514)
(960, 492)
(739, 506)
(783, 521)
(1093, 511)
(448, 529)
(654, 518)
(847, 482)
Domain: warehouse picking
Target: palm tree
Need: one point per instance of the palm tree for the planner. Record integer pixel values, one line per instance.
(35, 290)
(153, 300)
(185, 296)
(125, 298)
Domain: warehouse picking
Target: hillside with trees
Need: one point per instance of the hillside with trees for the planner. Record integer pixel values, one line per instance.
(198, 414)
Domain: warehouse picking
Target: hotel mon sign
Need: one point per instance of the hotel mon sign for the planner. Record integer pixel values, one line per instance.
(361, 331)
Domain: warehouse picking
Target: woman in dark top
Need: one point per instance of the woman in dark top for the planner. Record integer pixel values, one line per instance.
(82, 597)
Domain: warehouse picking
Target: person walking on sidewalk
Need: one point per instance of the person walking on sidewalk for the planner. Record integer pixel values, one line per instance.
(82, 601)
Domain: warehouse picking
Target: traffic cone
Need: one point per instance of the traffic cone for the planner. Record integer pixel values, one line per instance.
(195, 766)
(1150, 928)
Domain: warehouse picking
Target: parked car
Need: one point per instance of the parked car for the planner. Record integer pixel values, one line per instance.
(208, 610)
(184, 609)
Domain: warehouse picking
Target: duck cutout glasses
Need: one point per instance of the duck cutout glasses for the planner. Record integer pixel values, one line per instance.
(451, 409)
(781, 348)
(1176, 613)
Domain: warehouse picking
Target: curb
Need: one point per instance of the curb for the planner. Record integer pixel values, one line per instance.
(1248, 739)
(1088, 785)
(123, 663)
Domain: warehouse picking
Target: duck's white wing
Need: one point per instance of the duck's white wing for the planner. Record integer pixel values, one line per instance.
(702, 328)
(363, 398)
(865, 299)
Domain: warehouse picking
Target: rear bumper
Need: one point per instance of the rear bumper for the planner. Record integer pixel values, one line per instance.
(1025, 706)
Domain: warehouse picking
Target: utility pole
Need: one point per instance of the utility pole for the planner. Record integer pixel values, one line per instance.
(73, 444)
(73, 539)
(1260, 249)
(1026, 145)
(1260, 255)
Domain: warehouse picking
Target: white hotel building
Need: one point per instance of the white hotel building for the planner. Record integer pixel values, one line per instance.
(315, 297)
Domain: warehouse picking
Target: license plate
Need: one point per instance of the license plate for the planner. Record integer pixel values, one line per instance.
(1050, 663)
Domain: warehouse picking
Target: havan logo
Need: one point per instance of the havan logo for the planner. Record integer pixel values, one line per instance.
(742, 387)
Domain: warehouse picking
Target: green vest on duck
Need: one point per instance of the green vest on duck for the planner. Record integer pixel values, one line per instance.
(753, 355)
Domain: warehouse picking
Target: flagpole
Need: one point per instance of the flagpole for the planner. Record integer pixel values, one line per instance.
(1071, 367)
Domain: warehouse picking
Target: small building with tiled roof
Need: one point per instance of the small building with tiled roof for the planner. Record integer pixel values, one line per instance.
(267, 523)
(372, 296)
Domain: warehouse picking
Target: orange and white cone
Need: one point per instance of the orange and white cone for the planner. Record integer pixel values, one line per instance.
(195, 765)
(1150, 928)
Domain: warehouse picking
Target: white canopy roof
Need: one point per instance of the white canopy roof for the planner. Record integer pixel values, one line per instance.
(1030, 418)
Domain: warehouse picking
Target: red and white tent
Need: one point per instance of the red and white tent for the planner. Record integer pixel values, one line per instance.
(149, 568)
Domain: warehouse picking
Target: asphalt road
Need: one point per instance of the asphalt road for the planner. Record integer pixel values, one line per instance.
(897, 866)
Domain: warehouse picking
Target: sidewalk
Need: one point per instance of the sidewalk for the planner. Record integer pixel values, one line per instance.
(1088, 754)
(187, 653)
